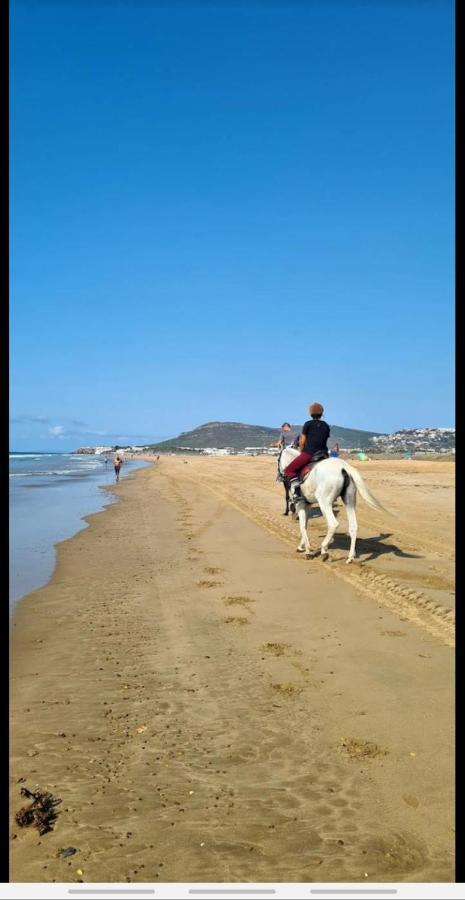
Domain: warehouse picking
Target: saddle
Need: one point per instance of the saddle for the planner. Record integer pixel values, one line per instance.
(316, 458)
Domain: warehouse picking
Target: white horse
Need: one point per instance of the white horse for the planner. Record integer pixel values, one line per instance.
(327, 480)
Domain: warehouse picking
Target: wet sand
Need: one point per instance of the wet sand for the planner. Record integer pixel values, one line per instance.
(209, 706)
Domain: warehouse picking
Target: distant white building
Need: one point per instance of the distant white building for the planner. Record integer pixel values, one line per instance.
(218, 451)
(256, 450)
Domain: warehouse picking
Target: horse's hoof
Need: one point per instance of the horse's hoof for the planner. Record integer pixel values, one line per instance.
(300, 549)
(350, 560)
(324, 555)
(308, 555)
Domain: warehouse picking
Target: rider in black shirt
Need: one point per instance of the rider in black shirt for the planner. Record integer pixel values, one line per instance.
(313, 439)
(316, 433)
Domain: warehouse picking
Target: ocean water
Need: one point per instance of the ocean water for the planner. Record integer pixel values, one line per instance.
(49, 495)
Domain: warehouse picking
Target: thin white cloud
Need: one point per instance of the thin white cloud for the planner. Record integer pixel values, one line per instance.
(28, 420)
(57, 431)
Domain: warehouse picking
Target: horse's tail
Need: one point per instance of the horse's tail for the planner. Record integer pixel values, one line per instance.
(361, 486)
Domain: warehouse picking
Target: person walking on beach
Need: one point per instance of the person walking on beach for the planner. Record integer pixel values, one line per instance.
(117, 464)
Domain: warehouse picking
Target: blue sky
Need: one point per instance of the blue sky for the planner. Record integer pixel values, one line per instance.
(227, 211)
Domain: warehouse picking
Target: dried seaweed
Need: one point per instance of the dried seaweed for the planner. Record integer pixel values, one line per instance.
(40, 812)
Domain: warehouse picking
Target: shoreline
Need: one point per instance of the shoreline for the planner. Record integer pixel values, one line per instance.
(60, 545)
(59, 510)
(207, 710)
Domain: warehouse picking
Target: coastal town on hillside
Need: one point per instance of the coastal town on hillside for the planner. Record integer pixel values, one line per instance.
(407, 441)
(418, 440)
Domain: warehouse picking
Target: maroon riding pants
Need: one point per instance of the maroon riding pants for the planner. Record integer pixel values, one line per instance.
(293, 469)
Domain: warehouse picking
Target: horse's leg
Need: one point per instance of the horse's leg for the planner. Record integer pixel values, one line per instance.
(286, 489)
(325, 502)
(304, 546)
(349, 501)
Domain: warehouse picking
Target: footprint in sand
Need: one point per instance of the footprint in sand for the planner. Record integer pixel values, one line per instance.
(358, 749)
(287, 689)
(209, 584)
(236, 620)
(276, 649)
(212, 570)
(393, 854)
(238, 601)
(411, 800)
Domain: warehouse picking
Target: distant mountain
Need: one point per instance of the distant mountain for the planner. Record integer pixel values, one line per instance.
(238, 436)
(351, 438)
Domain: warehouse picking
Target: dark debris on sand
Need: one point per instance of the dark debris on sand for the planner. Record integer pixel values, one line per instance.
(40, 812)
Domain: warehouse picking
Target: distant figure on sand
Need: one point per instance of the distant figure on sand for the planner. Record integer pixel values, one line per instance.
(106, 460)
(117, 464)
(335, 451)
(287, 437)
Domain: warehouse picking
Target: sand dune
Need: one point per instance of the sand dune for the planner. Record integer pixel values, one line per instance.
(211, 707)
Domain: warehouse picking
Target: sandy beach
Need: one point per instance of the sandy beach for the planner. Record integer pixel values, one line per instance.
(210, 706)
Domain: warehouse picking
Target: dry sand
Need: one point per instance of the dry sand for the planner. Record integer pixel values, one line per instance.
(209, 706)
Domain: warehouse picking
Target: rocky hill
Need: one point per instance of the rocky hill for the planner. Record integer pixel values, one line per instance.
(238, 435)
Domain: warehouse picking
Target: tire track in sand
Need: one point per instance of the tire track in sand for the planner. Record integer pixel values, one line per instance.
(410, 605)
